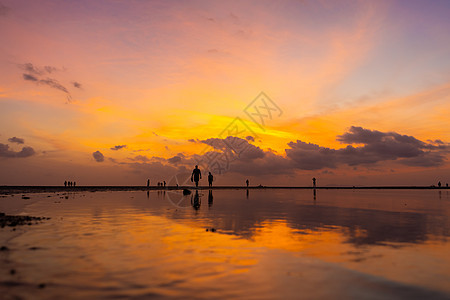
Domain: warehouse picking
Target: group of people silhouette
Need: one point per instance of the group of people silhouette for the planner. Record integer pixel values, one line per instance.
(439, 184)
(70, 183)
(196, 176)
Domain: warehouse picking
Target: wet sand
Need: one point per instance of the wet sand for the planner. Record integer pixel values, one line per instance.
(59, 189)
(256, 244)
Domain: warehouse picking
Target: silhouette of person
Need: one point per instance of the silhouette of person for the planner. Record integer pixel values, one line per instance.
(314, 182)
(210, 179)
(446, 185)
(65, 183)
(196, 175)
(439, 184)
(196, 201)
(210, 198)
(164, 183)
(74, 183)
(148, 182)
(247, 182)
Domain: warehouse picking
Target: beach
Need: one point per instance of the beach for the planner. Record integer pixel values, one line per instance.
(227, 243)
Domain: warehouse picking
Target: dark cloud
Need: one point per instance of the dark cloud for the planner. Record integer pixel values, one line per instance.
(34, 73)
(16, 140)
(140, 158)
(118, 147)
(76, 85)
(30, 68)
(54, 84)
(29, 77)
(98, 156)
(364, 149)
(174, 160)
(4, 10)
(238, 155)
(25, 152)
(377, 146)
(50, 69)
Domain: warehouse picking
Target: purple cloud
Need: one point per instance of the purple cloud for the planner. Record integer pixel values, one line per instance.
(16, 140)
(98, 156)
(25, 152)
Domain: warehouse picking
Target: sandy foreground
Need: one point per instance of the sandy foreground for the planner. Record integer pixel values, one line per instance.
(104, 243)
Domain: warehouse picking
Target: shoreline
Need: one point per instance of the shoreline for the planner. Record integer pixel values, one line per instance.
(53, 189)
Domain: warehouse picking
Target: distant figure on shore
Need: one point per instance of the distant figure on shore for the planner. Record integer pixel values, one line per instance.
(65, 183)
(247, 182)
(314, 182)
(148, 182)
(210, 179)
(439, 184)
(69, 183)
(446, 185)
(196, 175)
(164, 183)
(74, 183)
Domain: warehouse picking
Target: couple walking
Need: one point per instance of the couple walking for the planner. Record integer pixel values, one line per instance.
(197, 175)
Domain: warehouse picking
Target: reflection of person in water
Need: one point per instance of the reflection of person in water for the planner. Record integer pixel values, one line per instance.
(210, 179)
(210, 198)
(195, 201)
(196, 175)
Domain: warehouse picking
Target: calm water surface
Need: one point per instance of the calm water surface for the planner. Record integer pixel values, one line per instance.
(261, 244)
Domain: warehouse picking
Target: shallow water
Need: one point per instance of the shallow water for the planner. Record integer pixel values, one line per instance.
(261, 244)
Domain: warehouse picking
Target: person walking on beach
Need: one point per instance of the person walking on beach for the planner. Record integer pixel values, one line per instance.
(210, 179)
(439, 184)
(196, 175)
(247, 182)
(314, 182)
(65, 183)
(148, 182)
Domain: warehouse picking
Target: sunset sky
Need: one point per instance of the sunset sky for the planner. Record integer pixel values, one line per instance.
(115, 92)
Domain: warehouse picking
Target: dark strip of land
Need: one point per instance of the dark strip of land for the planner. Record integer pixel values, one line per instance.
(54, 189)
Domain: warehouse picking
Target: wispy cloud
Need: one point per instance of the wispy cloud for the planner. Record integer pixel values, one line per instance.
(35, 74)
(118, 147)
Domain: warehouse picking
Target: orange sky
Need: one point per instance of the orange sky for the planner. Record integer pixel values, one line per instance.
(81, 77)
